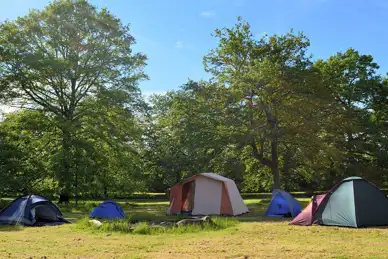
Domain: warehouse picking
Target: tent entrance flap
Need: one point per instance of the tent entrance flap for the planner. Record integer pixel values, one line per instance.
(44, 213)
(188, 193)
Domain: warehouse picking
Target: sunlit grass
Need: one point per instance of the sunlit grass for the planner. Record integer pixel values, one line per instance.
(255, 236)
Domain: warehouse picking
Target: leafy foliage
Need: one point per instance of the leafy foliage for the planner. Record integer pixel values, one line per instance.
(270, 117)
(74, 62)
(272, 112)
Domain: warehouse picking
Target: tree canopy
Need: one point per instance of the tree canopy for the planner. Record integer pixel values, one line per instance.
(271, 116)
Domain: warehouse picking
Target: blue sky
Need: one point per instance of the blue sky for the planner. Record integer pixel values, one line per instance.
(176, 34)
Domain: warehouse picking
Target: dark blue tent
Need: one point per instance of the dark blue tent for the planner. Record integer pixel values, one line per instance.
(108, 210)
(283, 204)
(31, 210)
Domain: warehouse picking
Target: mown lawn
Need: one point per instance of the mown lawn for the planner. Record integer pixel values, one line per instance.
(254, 237)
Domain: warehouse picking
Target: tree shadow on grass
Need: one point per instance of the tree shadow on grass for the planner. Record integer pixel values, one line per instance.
(257, 209)
(157, 210)
(10, 228)
(145, 211)
(257, 214)
(253, 218)
(376, 227)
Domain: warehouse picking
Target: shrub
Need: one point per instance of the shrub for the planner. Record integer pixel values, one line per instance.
(142, 228)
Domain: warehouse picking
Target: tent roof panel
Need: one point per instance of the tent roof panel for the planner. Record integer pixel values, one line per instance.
(352, 178)
(216, 177)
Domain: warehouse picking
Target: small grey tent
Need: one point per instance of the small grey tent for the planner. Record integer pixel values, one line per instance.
(31, 210)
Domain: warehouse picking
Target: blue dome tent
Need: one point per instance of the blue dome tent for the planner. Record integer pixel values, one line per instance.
(283, 205)
(31, 210)
(108, 210)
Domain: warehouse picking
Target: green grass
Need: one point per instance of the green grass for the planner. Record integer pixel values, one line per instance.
(253, 237)
(146, 226)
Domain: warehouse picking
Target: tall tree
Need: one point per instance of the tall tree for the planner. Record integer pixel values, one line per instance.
(353, 81)
(58, 58)
(274, 83)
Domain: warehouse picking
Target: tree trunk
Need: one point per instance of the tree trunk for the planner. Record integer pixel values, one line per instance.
(287, 165)
(273, 122)
(65, 169)
(275, 165)
(105, 192)
(349, 144)
(238, 176)
(76, 188)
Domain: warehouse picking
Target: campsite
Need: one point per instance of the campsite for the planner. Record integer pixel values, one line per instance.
(254, 237)
(193, 129)
(263, 232)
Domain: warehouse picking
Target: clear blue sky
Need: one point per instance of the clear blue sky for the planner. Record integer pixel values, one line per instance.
(175, 34)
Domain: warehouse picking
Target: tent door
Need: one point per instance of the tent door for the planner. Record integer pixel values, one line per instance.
(44, 213)
(188, 193)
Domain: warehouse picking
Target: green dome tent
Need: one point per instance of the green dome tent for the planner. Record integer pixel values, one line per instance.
(354, 202)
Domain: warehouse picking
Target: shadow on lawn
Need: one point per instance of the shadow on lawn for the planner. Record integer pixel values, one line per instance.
(148, 210)
(10, 228)
(257, 214)
(257, 209)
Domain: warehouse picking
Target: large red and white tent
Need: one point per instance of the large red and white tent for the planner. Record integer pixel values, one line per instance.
(206, 194)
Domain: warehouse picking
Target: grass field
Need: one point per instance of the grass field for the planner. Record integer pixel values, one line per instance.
(253, 237)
